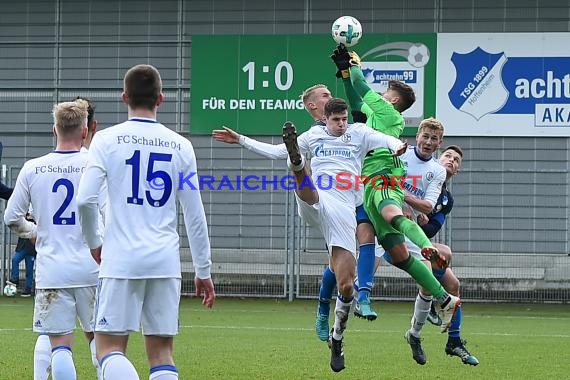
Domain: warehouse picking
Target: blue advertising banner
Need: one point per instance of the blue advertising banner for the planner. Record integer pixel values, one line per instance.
(509, 84)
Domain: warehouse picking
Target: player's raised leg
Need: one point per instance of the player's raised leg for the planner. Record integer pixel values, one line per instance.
(305, 189)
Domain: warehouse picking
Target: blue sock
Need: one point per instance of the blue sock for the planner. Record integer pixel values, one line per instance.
(165, 371)
(438, 273)
(326, 291)
(455, 328)
(365, 268)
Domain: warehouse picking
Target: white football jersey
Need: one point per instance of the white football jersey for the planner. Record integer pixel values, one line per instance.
(146, 167)
(336, 162)
(49, 183)
(424, 178)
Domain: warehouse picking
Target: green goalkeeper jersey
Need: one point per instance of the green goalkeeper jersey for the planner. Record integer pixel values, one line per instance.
(381, 116)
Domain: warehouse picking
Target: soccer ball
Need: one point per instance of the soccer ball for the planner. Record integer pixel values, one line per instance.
(418, 55)
(346, 30)
(10, 290)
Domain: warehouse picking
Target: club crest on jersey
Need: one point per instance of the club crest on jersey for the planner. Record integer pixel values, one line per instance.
(429, 176)
(346, 137)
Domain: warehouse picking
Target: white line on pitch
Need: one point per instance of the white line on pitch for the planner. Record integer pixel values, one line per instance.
(214, 327)
(530, 317)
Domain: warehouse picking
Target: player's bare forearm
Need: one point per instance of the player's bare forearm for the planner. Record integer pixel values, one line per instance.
(418, 204)
(226, 135)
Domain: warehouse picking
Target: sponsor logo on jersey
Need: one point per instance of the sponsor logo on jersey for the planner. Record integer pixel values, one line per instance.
(322, 151)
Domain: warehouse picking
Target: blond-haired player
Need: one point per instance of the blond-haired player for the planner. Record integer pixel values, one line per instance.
(66, 276)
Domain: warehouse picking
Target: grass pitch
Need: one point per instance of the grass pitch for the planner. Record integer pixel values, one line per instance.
(275, 339)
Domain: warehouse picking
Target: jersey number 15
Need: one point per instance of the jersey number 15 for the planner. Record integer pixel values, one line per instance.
(157, 179)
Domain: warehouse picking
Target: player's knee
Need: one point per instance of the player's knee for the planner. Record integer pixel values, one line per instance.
(346, 288)
(452, 286)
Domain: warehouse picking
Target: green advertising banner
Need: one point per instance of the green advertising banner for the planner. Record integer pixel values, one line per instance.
(252, 83)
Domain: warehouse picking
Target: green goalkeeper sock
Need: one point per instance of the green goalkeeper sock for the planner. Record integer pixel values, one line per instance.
(411, 230)
(423, 276)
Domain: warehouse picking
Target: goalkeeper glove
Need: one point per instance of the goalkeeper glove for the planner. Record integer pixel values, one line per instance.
(354, 59)
(358, 117)
(341, 59)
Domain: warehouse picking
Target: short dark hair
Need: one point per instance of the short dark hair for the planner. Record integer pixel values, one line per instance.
(335, 105)
(455, 148)
(406, 93)
(143, 86)
(90, 110)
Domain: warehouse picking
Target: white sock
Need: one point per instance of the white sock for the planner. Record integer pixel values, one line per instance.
(94, 360)
(341, 312)
(42, 357)
(421, 311)
(296, 168)
(116, 366)
(163, 372)
(62, 367)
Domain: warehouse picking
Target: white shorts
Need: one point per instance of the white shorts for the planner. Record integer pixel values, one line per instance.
(336, 220)
(56, 310)
(412, 248)
(124, 305)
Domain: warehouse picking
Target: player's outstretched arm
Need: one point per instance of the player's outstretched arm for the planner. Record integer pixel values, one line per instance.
(357, 79)
(341, 59)
(229, 136)
(226, 135)
(374, 139)
(374, 103)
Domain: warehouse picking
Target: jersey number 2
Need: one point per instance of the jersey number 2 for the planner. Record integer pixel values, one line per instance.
(58, 219)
